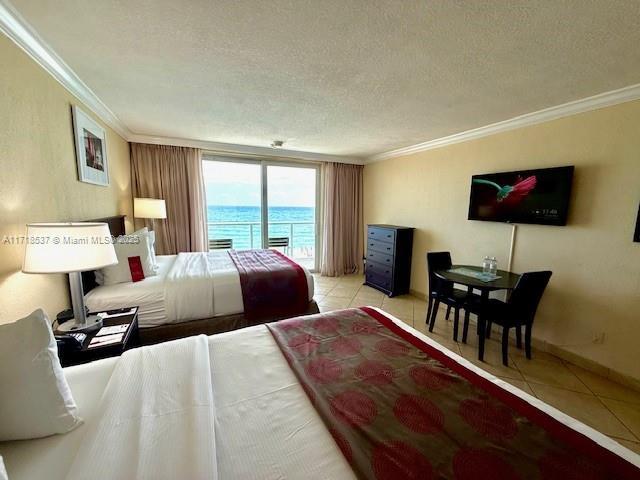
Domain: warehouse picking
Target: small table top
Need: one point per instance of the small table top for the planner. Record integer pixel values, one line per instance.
(507, 280)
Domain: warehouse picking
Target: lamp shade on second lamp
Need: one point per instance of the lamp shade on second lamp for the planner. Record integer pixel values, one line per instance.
(67, 247)
(149, 208)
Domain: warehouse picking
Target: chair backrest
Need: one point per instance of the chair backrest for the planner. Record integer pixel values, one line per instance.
(437, 261)
(278, 242)
(220, 243)
(528, 293)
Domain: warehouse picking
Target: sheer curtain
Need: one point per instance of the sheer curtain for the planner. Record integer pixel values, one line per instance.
(342, 244)
(174, 174)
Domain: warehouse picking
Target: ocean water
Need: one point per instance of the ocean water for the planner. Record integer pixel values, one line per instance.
(241, 232)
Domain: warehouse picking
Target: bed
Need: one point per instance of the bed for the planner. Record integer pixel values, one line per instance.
(262, 421)
(174, 304)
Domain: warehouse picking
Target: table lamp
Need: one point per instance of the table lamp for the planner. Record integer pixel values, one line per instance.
(70, 248)
(151, 208)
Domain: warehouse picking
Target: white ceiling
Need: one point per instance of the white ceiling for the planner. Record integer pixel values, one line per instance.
(339, 77)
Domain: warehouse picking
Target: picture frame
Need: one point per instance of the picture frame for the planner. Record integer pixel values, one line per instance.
(91, 149)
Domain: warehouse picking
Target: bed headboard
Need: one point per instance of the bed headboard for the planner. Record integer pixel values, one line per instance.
(116, 227)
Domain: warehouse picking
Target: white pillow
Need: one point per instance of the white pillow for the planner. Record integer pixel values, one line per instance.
(127, 246)
(3, 471)
(35, 400)
(152, 242)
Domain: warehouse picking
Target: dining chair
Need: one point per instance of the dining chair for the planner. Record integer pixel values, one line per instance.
(442, 291)
(519, 311)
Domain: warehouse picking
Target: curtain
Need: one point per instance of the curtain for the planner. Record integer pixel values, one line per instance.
(342, 241)
(175, 175)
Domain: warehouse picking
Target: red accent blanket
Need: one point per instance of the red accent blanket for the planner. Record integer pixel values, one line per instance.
(272, 283)
(399, 408)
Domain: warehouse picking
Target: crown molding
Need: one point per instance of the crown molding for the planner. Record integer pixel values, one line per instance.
(607, 99)
(248, 150)
(14, 26)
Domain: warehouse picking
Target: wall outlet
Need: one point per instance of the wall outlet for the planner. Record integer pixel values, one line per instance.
(598, 338)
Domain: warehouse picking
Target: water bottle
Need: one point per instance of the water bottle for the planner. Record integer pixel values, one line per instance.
(493, 266)
(486, 265)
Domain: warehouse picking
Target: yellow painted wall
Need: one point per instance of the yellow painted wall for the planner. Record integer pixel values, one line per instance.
(595, 286)
(39, 180)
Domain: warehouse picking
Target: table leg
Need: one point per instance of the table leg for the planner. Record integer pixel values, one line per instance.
(484, 301)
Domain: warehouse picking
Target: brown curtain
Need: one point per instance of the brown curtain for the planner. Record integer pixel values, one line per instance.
(342, 212)
(175, 175)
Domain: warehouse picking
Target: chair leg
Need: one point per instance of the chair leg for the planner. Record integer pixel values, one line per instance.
(527, 341)
(456, 321)
(465, 327)
(448, 312)
(505, 346)
(429, 308)
(432, 322)
(488, 331)
(519, 336)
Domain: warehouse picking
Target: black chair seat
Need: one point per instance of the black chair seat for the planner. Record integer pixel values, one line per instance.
(496, 309)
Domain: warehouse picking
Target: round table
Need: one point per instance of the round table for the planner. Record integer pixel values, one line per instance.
(507, 281)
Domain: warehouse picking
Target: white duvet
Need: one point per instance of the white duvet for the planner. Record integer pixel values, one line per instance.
(189, 286)
(156, 419)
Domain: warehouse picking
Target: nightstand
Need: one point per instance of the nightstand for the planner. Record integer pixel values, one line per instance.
(130, 339)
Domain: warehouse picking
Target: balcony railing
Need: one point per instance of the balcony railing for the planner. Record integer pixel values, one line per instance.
(301, 236)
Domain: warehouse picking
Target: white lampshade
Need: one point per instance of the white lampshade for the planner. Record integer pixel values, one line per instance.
(67, 247)
(149, 208)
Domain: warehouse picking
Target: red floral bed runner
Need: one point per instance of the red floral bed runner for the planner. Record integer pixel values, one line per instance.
(399, 408)
(272, 283)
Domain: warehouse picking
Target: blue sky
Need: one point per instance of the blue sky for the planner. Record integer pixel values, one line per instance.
(238, 184)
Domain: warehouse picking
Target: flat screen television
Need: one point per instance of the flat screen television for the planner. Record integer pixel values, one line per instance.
(528, 196)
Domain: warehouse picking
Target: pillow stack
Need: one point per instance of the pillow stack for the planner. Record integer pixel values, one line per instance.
(136, 259)
(36, 400)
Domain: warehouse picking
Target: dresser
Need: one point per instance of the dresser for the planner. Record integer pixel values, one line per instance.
(388, 258)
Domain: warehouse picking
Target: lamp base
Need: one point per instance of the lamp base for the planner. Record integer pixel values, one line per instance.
(93, 322)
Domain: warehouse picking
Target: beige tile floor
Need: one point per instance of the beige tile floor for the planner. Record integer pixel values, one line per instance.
(597, 401)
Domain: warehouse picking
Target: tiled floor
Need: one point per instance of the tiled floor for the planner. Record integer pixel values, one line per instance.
(597, 401)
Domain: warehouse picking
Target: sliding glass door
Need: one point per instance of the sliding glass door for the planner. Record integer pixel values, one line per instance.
(234, 204)
(263, 204)
(291, 196)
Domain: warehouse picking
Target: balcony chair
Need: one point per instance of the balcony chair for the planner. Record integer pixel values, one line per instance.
(220, 244)
(279, 242)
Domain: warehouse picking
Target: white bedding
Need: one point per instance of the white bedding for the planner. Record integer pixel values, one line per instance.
(156, 417)
(188, 286)
(265, 426)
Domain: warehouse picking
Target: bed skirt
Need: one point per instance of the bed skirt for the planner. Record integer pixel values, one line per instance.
(210, 326)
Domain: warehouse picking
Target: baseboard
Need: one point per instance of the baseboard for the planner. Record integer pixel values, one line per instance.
(568, 356)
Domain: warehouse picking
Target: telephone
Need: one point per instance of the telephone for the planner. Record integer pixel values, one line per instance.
(67, 314)
(71, 342)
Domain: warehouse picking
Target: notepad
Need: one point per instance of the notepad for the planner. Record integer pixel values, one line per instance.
(105, 340)
(112, 330)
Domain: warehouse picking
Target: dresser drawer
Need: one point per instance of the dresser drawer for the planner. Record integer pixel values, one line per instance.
(381, 281)
(380, 269)
(379, 257)
(380, 246)
(383, 234)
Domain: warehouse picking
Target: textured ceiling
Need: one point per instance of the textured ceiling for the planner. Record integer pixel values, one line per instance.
(342, 77)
